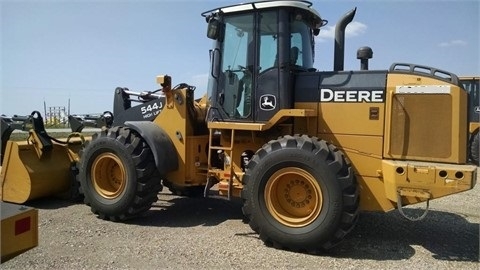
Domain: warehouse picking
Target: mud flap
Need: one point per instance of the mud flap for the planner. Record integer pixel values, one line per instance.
(162, 147)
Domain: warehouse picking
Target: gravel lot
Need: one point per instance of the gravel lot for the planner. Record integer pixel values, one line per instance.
(185, 233)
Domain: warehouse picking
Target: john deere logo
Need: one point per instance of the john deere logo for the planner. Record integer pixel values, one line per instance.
(268, 102)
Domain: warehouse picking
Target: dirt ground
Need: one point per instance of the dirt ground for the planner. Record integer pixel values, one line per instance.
(199, 233)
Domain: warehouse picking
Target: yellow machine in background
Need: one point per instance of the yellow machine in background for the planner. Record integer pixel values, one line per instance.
(472, 86)
(306, 150)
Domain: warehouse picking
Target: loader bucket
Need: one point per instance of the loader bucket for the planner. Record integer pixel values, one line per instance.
(26, 176)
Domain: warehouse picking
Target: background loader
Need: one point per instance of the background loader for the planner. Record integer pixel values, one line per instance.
(306, 150)
(472, 86)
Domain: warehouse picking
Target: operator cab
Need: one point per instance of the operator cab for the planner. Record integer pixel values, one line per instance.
(257, 49)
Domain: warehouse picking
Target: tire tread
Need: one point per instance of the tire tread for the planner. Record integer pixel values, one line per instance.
(336, 162)
(147, 182)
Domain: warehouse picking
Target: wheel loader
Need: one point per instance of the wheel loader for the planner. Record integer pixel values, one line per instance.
(305, 150)
(472, 86)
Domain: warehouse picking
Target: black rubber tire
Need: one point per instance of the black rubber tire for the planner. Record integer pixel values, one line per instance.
(475, 148)
(324, 167)
(117, 175)
(73, 194)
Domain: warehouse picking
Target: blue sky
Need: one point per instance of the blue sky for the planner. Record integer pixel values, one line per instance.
(53, 51)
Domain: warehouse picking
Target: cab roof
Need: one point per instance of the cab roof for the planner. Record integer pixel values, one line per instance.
(258, 5)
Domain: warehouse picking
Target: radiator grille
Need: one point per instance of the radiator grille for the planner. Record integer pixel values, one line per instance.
(421, 125)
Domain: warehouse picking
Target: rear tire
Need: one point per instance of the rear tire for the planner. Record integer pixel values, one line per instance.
(117, 174)
(300, 194)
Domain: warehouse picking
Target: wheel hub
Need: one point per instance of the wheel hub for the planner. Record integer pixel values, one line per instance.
(297, 193)
(108, 175)
(293, 197)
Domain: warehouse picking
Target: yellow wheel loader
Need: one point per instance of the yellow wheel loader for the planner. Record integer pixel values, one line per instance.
(472, 86)
(306, 150)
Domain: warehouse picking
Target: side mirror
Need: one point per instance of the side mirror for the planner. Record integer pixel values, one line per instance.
(214, 29)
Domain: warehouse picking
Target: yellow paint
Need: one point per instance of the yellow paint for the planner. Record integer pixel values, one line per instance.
(16, 240)
(25, 176)
(426, 127)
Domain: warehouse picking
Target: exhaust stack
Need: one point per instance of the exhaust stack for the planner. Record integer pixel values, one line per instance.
(339, 49)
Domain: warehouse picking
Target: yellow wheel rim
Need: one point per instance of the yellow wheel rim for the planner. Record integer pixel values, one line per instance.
(108, 175)
(293, 197)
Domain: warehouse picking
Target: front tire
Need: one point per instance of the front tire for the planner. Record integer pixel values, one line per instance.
(300, 194)
(118, 176)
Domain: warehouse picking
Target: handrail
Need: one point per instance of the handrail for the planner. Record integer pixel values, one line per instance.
(424, 70)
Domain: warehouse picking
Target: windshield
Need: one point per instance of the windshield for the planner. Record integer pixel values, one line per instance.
(238, 32)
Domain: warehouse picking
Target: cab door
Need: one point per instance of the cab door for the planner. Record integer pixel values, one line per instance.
(233, 84)
(285, 47)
